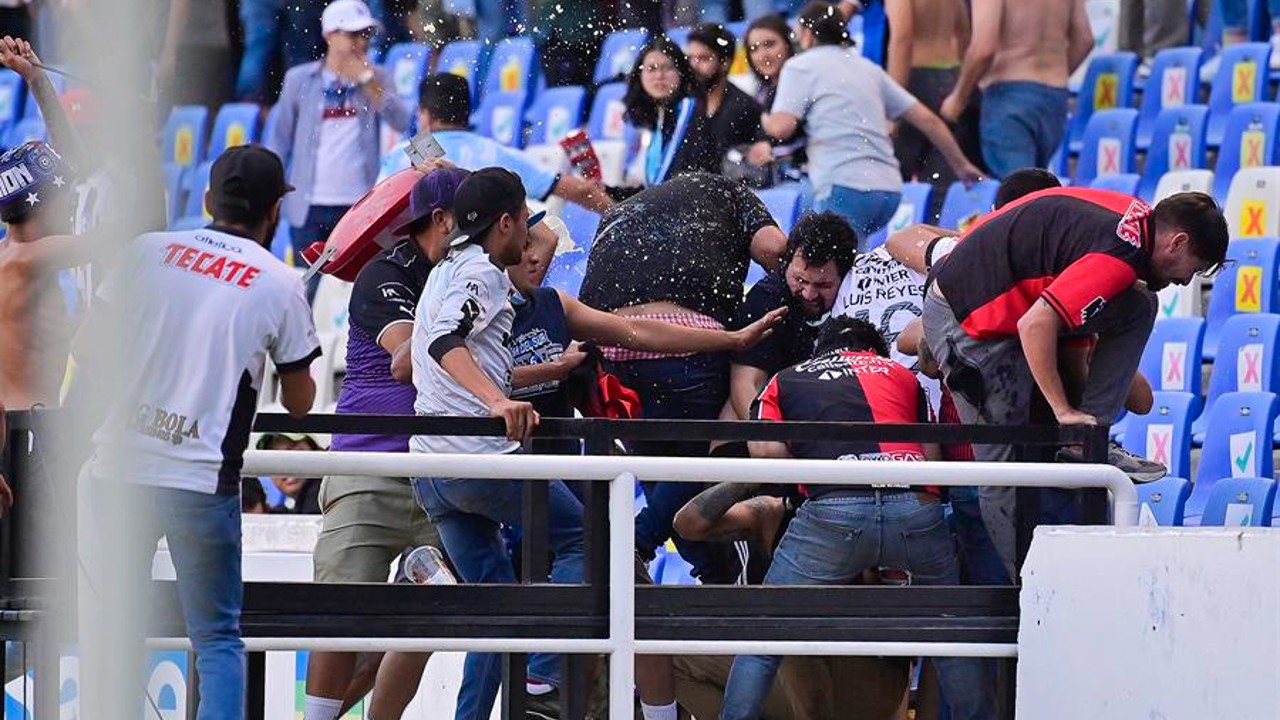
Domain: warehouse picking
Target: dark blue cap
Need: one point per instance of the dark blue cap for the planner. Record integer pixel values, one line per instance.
(433, 191)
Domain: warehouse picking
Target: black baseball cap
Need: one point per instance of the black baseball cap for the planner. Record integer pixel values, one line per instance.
(433, 191)
(482, 200)
(246, 179)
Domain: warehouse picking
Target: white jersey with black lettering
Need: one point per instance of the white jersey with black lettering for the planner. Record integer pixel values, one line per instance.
(201, 310)
(468, 296)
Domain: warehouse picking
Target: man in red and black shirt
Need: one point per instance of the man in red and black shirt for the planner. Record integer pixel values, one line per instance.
(841, 531)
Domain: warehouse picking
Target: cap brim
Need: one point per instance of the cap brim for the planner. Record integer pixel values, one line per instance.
(403, 230)
(536, 218)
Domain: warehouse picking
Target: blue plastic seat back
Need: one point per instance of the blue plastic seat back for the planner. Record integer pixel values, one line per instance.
(1108, 145)
(618, 54)
(1108, 84)
(1241, 78)
(962, 206)
(1238, 443)
(408, 63)
(235, 124)
(783, 203)
(513, 68)
(916, 198)
(1177, 143)
(1174, 82)
(1246, 285)
(462, 57)
(607, 120)
(1164, 500)
(184, 135)
(501, 117)
(197, 184)
(1240, 502)
(1171, 361)
(1249, 140)
(680, 36)
(567, 271)
(12, 94)
(1164, 434)
(555, 113)
(1125, 183)
(26, 130)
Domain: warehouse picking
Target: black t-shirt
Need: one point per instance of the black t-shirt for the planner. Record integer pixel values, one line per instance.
(540, 334)
(737, 120)
(791, 342)
(686, 241)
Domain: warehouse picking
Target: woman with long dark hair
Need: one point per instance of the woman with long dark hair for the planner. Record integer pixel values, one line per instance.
(664, 98)
(770, 44)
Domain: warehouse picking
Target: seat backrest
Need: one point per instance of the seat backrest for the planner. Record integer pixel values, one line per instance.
(26, 130)
(1164, 434)
(739, 65)
(582, 224)
(1252, 203)
(783, 203)
(197, 185)
(235, 124)
(513, 68)
(12, 94)
(1248, 141)
(408, 63)
(1125, 183)
(962, 206)
(680, 36)
(618, 54)
(1246, 355)
(1176, 143)
(555, 113)
(1237, 442)
(1174, 80)
(607, 121)
(184, 135)
(1171, 360)
(501, 117)
(1180, 181)
(567, 271)
(1241, 78)
(916, 198)
(1107, 147)
(1163, 501)
(1108, 84)
(1245, 286)
(173, 192)
(1240, 502)
(462, 58)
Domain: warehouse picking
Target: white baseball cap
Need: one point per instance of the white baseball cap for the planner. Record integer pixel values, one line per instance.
(347, 16)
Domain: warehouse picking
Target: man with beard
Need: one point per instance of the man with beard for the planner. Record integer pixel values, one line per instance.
(732, 115)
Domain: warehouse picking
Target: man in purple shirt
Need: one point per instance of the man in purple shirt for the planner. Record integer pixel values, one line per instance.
(369, 521)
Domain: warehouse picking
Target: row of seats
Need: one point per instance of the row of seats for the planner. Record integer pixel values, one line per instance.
(1233, 502)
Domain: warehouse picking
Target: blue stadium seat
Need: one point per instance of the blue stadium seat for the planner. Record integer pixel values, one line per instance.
(281, 244)
(1108, 84)
(235, 124)
(174, 197)
(1246, 286)
(25, 130)
(12, 93)
(618, 55)
(184, 135)
(916, 197)
(1164, 434)
(680, 36)
(1165, 499)
(1126, 183)
(1171, 360)
(1240, 502)
(1249, 140)
(1247, 363)
(197, 183)
(875, 32)
(190, 222)
(462, 57)
(1107, 147)
(501, 117)
(1238, 443)
(269, 127)
(582, 224)
(408, 63)
(1241, 78)
(964, 205)
(783, 203)
(567, 271)
(606, 121)
(555, 113)
(1173, 83)
(1177, 143)
(513, 68)
(676, 571)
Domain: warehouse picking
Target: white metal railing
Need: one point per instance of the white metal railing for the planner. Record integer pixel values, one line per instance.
(620, 472)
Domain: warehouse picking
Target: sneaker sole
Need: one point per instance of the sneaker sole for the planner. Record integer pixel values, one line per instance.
(1146, 477)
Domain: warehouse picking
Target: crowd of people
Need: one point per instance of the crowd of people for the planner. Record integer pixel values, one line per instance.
(1037, 314)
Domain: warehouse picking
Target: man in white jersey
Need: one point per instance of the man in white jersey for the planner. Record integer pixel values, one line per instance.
(194, 316)
(462, 366)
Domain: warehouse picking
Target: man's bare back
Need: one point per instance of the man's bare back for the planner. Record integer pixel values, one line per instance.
(1038, 40)
(939, 32)
(35, 329)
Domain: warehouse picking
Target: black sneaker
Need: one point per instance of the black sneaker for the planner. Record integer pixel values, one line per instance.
(1139, 469)
(542, 707)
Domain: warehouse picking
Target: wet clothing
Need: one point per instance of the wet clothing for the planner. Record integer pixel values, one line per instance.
(790, 342)
(737, 120)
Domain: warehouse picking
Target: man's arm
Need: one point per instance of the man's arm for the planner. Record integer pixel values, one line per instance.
(1038, 331)
(1079, 36)
(395, 339)
(964, 29)
(745, 384)
(983, 44)
(17, 55)
(6, 494)
(767, 247)
(297, 391)
(780, 125)
(457, 360)
(940, 135)
(392, 109)
(587, 193)
(910, 245)
(901, 39)
(709, 516)
(587, 323)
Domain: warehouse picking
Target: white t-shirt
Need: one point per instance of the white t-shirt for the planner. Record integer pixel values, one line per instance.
(202, 309)
(887, 294)
(339, 174)
(470, 296)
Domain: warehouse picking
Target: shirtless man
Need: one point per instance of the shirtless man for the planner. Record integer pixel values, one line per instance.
(35, 329)
(1021, 54)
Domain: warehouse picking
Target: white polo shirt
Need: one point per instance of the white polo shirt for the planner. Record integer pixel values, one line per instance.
(201, 310)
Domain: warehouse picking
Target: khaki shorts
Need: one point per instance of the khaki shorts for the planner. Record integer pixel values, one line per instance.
(368, 522)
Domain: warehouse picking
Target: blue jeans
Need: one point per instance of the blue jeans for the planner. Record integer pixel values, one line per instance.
(321, 220)
(1021, 125)
(832, 540)
(980, 563)
(866, 210)
(469, 514)
(271, 28)
(690, 388)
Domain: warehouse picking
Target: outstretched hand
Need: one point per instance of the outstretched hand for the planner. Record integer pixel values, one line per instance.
(758, 330)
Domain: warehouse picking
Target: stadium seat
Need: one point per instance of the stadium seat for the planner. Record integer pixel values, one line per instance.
(269, 127)
(1238, 443)
(235, 124)
(25, 130)
(680, 36)
(1240, 502)
(196, 186)
(1252, 203)
(513, 68)
(1108, 84)
(916, 197)
(1164, 434)
(676, 571)
(173, 193)
(1173, 83)
(1241, 78)
(1246, 286)
(330, 308)
(1060, 163)
(12, 93)
(462, 57)
(582, 224)
(1180, 181)
(1247, 363)
(618, 55)
(1163, 501)
(739, 65)
(964, 205)
(783, 203)
(875, 32)
(184, 135)
(555, 113)
(607, 121)
(501, 117)
(1177, 144)
(1171, 361)
(567, 271)
(1248, 141)
(1126, 183)
(408, 63)
(1107, 146)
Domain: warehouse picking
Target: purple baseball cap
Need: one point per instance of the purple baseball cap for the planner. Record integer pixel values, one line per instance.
(433, 191)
